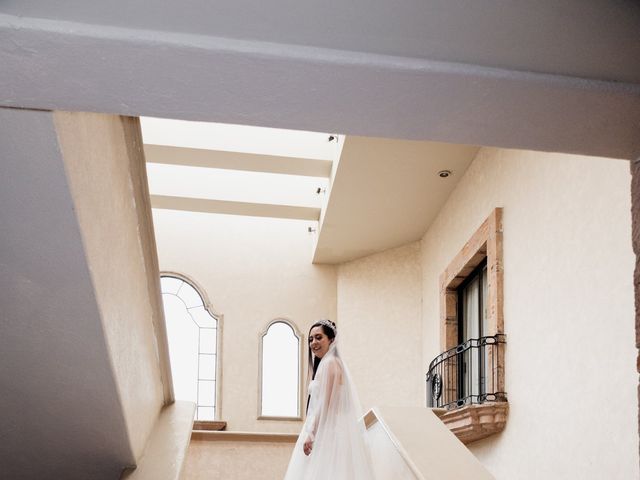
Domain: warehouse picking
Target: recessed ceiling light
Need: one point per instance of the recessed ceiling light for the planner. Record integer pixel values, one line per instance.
(445, 173)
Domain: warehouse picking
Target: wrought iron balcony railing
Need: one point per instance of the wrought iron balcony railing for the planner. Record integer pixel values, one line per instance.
(467, 374)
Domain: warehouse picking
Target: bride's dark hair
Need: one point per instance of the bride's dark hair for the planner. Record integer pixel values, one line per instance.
(326, 328)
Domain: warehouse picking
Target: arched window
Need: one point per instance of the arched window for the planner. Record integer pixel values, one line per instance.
(280, 371)
(192, 331)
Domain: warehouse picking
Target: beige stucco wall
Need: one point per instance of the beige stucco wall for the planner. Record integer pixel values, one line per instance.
(568, 308)
(103, 169)
(253, 270)
(379, 319)
(237, 460)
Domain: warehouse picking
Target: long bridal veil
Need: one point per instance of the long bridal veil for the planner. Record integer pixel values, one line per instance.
(339, 450)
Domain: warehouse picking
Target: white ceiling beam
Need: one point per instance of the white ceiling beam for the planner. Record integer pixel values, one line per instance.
(194, 157)
(405, 93)
(234, 208)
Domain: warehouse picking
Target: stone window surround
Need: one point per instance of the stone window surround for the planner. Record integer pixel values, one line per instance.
(474, 422)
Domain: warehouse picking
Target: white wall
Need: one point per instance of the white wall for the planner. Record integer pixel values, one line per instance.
(568, 307)
(379, 312)
(253, 270)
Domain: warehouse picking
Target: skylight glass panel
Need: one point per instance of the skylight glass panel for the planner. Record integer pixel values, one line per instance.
(232, 185)
(241, 138)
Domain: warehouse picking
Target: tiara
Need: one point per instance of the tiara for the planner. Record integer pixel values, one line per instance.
(328, 323)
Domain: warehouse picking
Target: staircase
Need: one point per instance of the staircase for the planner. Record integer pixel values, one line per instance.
(413, 444)
(405, 443)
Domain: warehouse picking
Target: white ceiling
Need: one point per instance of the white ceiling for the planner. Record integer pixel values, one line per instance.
(385, 193)
(570, 38)
(539, 76)
(382, 193)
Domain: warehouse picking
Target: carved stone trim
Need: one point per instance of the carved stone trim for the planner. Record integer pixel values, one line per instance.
(486, 242)
(475, 422)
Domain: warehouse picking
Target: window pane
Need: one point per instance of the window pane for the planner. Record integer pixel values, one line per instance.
(207, 367)
(192, 337)
(472, 330)
(182, 334)
(280, 371)
(170, 284)
(202, 317)
(484, 352)
(485, 301)
(208, 340)
(470, 309)
(190, 296)
(206, 413)
(206, 393)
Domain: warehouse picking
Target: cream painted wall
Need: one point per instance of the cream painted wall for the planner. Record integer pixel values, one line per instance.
(379, 320)
(568, 269)
(253, 270)
(237, 460)
(103, 169)
(568, 308)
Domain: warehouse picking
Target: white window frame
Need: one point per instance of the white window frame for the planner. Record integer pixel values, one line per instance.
(298, 335)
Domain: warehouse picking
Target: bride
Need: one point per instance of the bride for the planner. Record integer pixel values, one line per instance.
(331, 445)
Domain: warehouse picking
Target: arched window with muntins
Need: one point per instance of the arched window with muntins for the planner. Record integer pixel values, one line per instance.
(192, 331)
(280, 371)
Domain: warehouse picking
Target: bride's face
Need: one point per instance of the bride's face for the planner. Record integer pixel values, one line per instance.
(318, 342)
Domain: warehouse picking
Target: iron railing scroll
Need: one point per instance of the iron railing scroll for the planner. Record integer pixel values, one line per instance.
(467, 374)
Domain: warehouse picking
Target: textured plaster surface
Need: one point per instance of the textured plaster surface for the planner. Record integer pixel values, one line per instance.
(99, 166)
(165, 452)
(62, 416)
(253, 270)
(379, 319)
(236, 460)
(568, 306)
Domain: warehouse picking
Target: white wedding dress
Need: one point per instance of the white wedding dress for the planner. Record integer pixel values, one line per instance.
(339, 450)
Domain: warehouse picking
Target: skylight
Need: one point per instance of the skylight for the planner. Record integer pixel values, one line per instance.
(236, 169)
(239, 138)
(232, 185)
